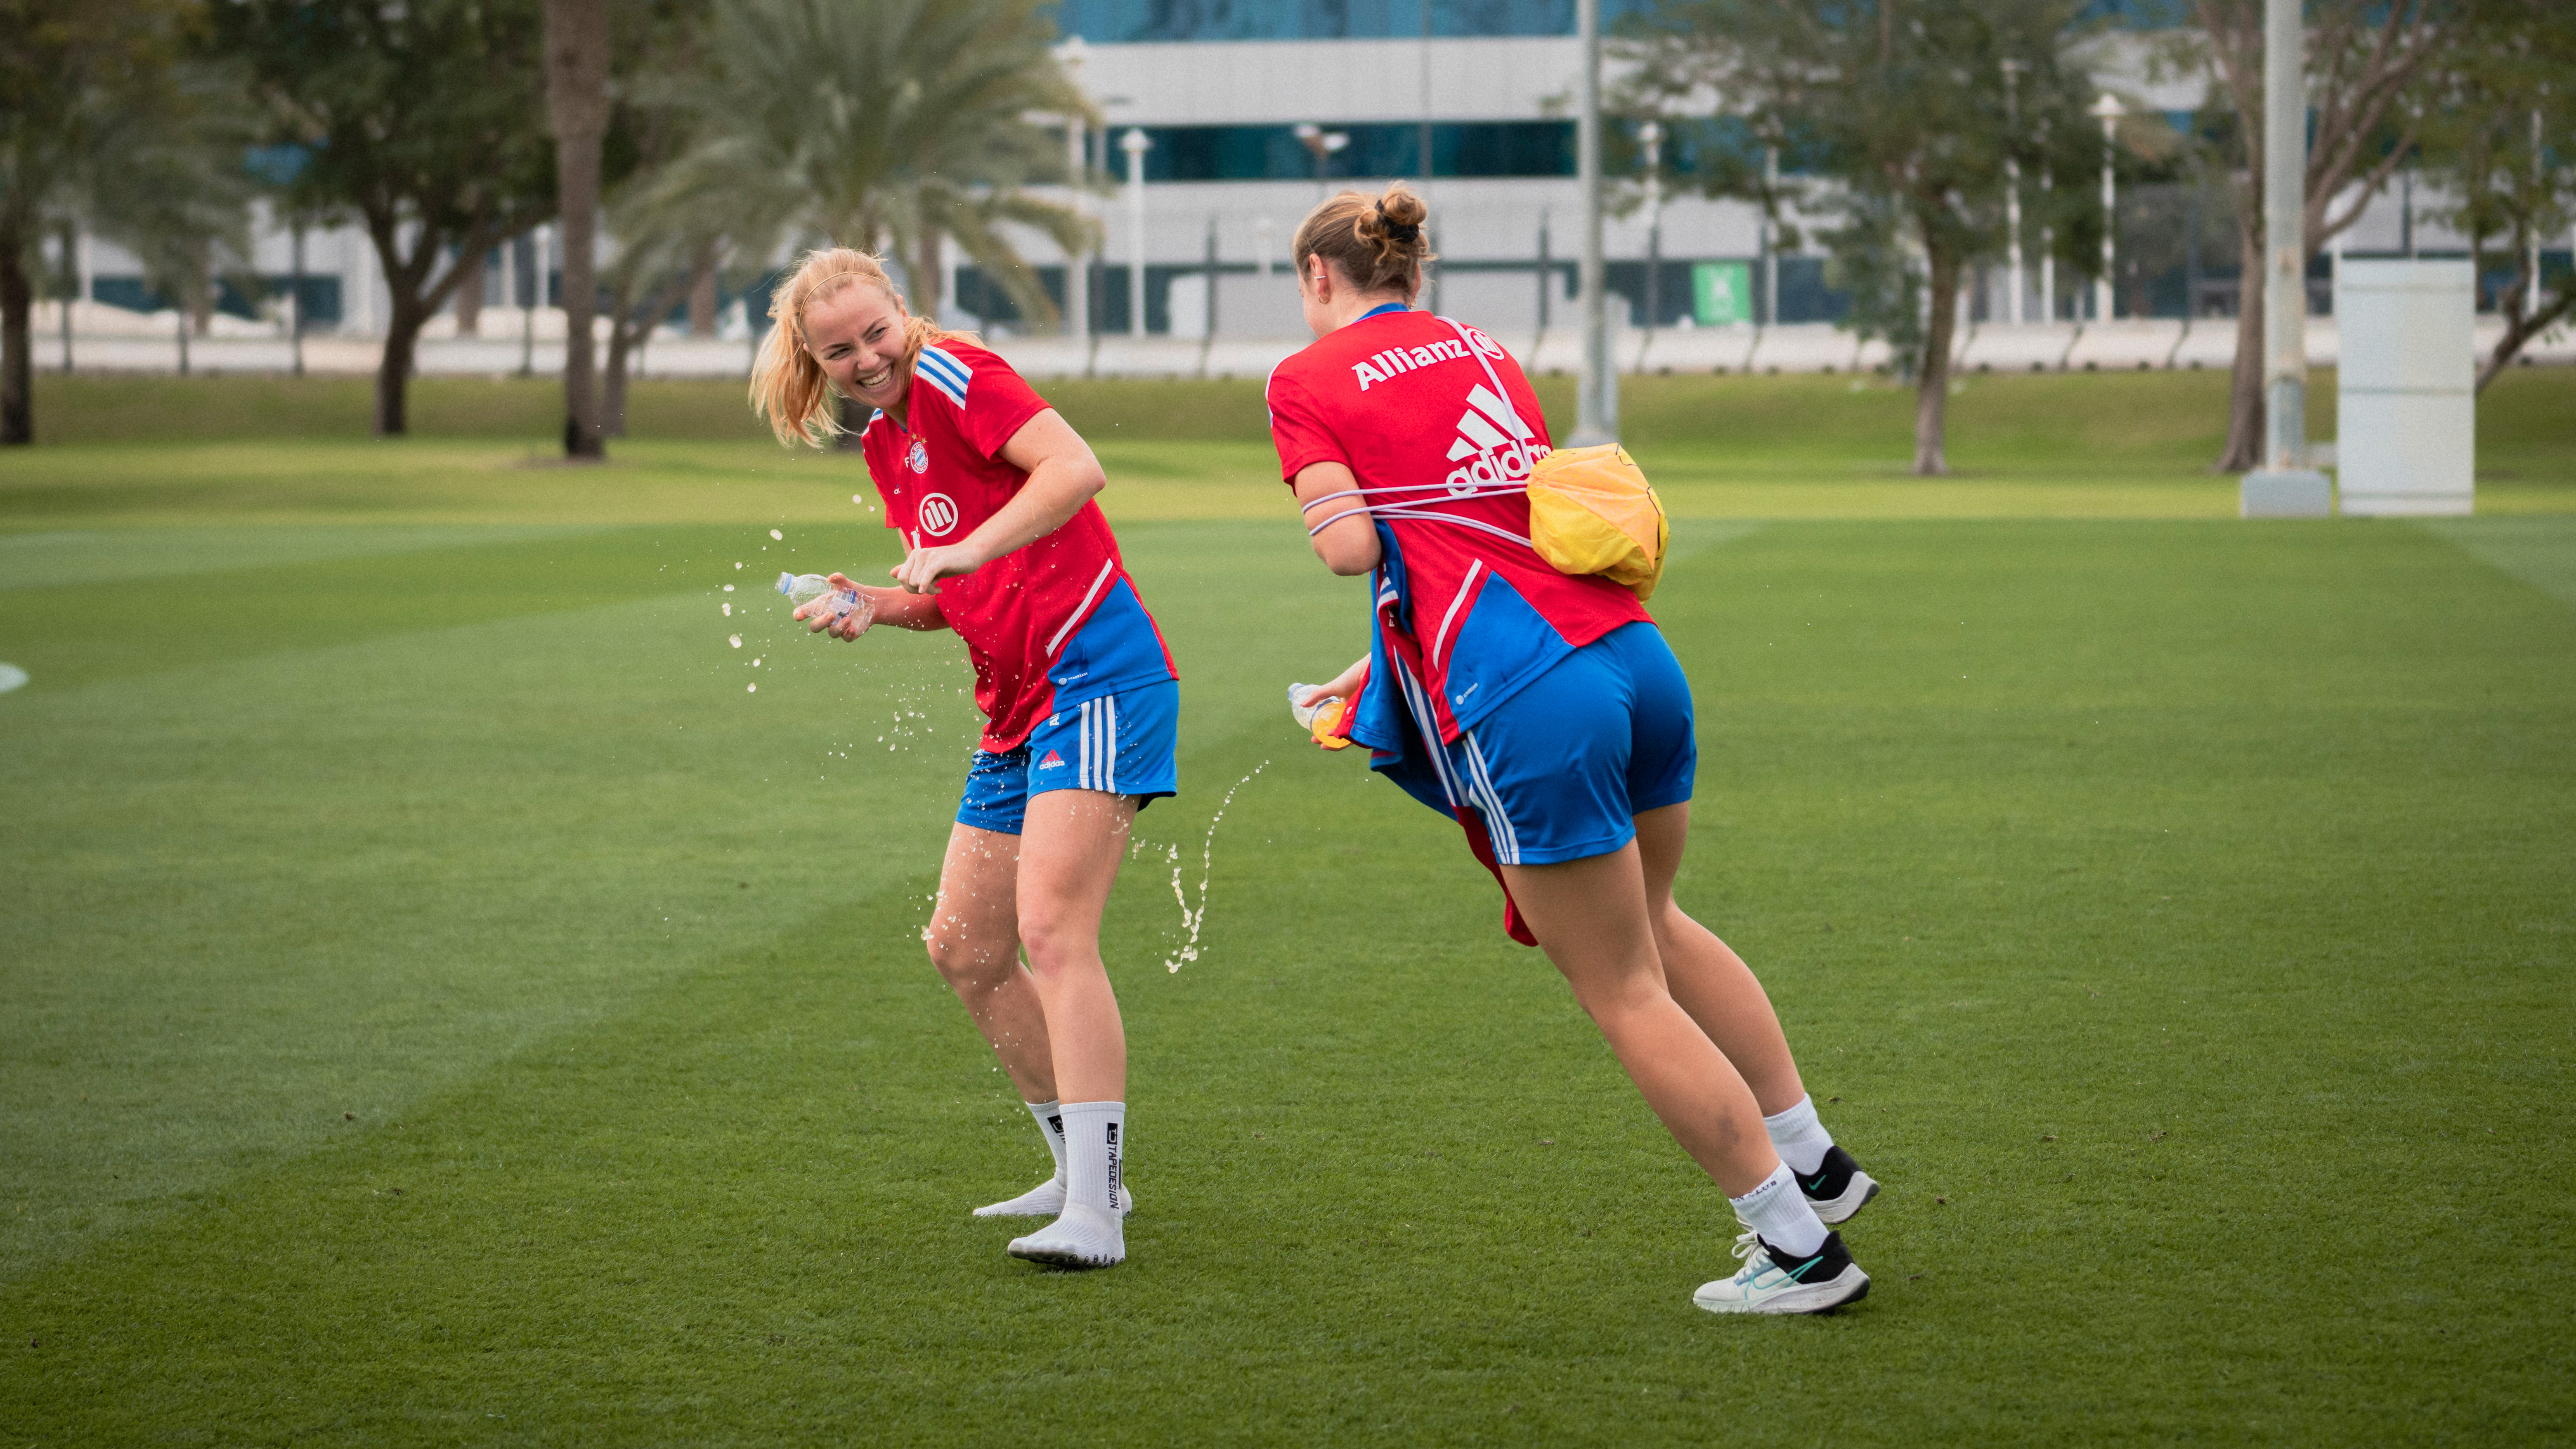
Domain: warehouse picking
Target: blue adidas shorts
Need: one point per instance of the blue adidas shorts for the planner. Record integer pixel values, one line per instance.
(1124, 744)
(1562, 769)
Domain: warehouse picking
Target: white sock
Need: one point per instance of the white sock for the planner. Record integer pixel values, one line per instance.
(1050, 1117)
(1779, 1212)
(1094, 1138)
(1799, 1138)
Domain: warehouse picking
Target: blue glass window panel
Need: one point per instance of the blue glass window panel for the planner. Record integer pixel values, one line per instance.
(1131, 21)
(1274, 153)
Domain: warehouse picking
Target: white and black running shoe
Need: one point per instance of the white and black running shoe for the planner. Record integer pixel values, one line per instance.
(1774, 1282)
(1837, 1189)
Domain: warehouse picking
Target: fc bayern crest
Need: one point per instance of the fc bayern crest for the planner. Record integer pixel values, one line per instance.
(919, 457)
(938, 513)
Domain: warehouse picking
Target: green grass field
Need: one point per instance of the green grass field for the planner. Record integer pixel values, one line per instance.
(444, 1004)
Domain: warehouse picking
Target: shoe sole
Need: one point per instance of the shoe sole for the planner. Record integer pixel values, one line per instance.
(1807, 1298)
(1061, 1257)
(1835, 1211)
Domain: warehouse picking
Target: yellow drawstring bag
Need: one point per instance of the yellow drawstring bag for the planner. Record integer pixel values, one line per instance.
(1593, 512)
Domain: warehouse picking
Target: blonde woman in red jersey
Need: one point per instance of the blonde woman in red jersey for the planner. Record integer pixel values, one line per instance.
(991, 490)
(1546, 714)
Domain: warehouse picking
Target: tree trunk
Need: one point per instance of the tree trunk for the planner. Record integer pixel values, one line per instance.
(469, 301)
(702, 295)
(928, 277)
(612, 392)
(393, 372)
(576, 45)
(2245, 384)
(1932, 379)
(17, 347)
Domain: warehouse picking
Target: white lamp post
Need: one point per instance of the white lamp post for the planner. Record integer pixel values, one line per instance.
(1652, 136)
(1135, 144)
(1596, 400)
(2108, 111)
(2285, 485)
(1077, 261)
(2012, 188)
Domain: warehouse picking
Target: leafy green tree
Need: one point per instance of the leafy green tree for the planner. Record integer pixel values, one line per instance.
(2367, 64)
(1896, 111)
(424, 120)
(896, 124)
(2500, 136)
(107, 122)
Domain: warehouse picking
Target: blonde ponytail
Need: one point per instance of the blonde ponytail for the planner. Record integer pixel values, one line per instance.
(789, 389)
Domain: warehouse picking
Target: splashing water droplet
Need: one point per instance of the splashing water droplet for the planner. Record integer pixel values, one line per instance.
(734, 639)
(774, 533)
(737, 563)
(729, 587)
(855, 498)
(1207, 872)
(728, 609)
(751, 689)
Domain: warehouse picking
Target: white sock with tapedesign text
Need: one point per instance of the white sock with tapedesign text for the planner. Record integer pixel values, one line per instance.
(1799, 1138)
(1050, 1115)
(1094, 1134)
(1779, 1212)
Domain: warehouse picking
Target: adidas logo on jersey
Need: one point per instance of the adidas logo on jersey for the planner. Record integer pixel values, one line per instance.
(1493, 445)
(1053, 761)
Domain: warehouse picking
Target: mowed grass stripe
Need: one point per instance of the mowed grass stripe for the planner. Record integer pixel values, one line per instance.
(2338, 754)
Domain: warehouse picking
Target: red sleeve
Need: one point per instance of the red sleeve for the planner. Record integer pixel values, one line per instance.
(999, 402)
(1298, 430)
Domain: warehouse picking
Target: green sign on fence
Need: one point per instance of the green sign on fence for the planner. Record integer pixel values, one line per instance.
(1721, 292)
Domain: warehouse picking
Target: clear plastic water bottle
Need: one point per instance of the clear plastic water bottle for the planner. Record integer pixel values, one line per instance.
(803, 589)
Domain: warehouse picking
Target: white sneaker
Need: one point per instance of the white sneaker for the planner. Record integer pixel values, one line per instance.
(1085, 1237)
(1046, 1200)
(1775, 1283)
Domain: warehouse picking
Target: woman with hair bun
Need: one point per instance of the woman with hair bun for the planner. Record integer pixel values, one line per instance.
(1546, 714)
(992, 492)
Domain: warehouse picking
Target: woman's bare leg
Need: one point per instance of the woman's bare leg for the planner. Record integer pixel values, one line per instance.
(974, 940)
(1071, 842)
(1591, 918)
(1710, 981)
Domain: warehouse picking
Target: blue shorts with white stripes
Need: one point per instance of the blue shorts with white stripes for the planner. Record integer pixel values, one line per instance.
(1563, 768)
(1121, 744)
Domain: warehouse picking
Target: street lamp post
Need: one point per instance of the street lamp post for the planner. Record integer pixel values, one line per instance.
(1770, 238)
(1077, 169)
(2108, 111)
(1651, 135)
(2012, 187)
(1596, 407)
(1135, 144)
(2285, 485)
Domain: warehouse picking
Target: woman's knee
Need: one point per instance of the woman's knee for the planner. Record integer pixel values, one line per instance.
(971, 961)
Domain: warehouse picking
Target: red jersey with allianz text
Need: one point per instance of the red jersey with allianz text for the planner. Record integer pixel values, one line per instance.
(1048, 626)
(1403, 400)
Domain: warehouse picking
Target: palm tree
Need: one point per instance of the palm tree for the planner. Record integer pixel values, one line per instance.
(882, 123)
(110, 123)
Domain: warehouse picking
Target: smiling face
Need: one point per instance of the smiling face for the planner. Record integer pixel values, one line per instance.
(856, 334)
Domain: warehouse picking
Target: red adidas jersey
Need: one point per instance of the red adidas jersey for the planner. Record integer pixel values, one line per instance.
(1047, 626)
(1401, 400)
